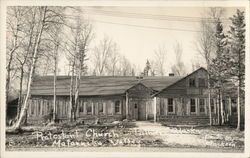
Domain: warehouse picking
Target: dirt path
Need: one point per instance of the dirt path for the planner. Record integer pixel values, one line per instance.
(176, 137)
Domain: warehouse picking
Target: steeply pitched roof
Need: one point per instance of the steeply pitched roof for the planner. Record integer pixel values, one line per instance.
(201, 68)
(98, 85)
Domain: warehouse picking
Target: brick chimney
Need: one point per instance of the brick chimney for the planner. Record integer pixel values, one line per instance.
(171, 74)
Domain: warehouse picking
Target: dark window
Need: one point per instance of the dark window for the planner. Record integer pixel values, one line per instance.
(191, 82)
(234, 109)
(233, 101)
(193, 107)
(100, 107)
(202, 105)
(170, 105)
(201, 82)
(89, 108)
(33, 107)
(117, 106)
(234, 105)
(81, 109)
(212, 105)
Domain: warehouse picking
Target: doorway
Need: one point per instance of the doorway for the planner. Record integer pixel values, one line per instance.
(138, 110)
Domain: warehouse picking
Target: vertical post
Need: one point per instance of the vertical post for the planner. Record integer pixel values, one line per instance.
(93, 108)
(154, 109)
(229, 106)
(146, 110)
(127, 106)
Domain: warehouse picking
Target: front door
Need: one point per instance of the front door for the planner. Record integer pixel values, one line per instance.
(142, 110)
(138, 109)
(135, 110)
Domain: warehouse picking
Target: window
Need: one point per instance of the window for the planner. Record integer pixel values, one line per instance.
(135, 106)
(33, 107)
(117, 106)
(100, 107)
(191, 82)
(193, 106)
(234, 105)
(212, 105)
(81, 107)
(202, 105)
(202, 82)
(89, 108)
(162, 106)
(109, 106)
(170, 105)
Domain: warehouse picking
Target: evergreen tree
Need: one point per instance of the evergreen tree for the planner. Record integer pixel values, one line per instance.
(147, 68)
(236, 58)
(219, 68)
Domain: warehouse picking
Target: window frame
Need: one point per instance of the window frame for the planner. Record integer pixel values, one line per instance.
(115, 106)
(193, 83)
(87, 108)
(212, 105)
(81, 106)
(204, 106)
(100, 112)
(170, 105)
(191, 112)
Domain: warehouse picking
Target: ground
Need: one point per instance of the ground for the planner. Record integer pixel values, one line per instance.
(126, 136)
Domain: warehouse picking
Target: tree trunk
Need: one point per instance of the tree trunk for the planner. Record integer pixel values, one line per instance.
(8, 78)
(17, 125)
(209, 102)
(238, 107)
(76, 96)
(71, 109)
(218, 110)
(20, 94)
(54, 98)
(222, 109)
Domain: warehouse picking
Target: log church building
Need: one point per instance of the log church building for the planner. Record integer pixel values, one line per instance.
(110, 98)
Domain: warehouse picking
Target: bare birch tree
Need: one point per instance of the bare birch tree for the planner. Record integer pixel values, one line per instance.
(101, 54)
(160, 61)
(46, 17)
(15, 37)
(77, 47)
(178, 68)
(205, 45)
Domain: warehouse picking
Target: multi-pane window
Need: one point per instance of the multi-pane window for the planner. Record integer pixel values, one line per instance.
(100, 107)
(191, 82)
(202, 105)
(117, 106)
(89, 108)
(193, 106)
(170, 105)
(202, 82)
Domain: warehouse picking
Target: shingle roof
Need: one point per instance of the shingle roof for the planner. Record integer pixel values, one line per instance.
(98, 85)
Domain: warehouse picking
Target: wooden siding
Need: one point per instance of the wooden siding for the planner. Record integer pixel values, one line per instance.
(181, 93)
(182, 89)
(41, 107)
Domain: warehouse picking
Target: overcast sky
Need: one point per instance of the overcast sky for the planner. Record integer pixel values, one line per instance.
(139, 31)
